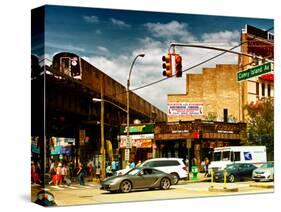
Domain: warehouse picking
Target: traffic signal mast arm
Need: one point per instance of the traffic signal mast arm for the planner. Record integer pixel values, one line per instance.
(173, 45)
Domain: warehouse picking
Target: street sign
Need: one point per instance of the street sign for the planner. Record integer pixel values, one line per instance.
(254, 72)
(127, 154)
(128, 143)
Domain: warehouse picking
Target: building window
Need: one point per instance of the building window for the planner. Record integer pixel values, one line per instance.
(257, 88)
(263, 89)
(268, 90)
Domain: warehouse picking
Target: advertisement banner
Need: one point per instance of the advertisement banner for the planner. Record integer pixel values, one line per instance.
(185, 109)
(139, 141)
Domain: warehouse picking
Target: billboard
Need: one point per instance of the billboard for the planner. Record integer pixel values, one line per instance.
(185, 109)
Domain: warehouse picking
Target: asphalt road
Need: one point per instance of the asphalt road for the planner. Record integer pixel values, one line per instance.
(91, 194)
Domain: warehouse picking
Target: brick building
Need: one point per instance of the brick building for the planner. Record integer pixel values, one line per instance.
(216, 90)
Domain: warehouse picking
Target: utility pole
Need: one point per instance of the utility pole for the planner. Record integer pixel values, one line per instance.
(102, 131)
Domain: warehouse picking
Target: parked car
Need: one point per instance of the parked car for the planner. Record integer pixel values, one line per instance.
(138, 178)
(264, 173)
(234, 172)
(174, 166)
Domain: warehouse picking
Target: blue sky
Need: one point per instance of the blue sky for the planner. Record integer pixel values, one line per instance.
(110, 39)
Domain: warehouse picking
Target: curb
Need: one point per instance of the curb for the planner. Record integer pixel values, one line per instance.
(212, 189)
(195, 181)
(261, 186)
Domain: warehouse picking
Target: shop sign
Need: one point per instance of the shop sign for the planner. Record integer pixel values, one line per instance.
(35, 149)
(174, 128)
(82, 136)
(144, 128)
(56, 150)
(61, 141)
(66, 150)
(127, 154)
(185, 109)
(139, 141)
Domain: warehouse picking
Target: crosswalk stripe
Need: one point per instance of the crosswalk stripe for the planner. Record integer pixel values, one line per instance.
(72, 187)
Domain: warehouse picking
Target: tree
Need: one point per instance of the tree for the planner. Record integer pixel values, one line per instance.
(261, 124)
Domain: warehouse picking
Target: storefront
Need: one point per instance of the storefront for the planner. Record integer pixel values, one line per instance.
(196, 139)
(141, 141)
(62, 149)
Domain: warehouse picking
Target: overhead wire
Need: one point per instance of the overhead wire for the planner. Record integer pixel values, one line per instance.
(198, 64)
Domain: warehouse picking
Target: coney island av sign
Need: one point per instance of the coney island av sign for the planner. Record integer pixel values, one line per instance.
(254, 72)
(185, 109)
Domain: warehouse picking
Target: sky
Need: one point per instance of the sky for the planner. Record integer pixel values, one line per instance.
(110, 39)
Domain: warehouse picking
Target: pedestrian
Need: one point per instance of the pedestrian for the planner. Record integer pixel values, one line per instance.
(194, 162)
(132, 165)
(34, 173)
(117, 165)
(206, 167)
(63, 173)
(113, 167)
(108, 171)
(58, 175)
(67, 180)
(127, 165)
(53, 173)
(139, 163)
(71, 170)
(81, 174)
(98, 172)
(90, 170)
(202, 167)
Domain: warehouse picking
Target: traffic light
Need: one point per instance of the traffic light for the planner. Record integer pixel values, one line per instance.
(75, 66)
(167, 65)
(178, 66)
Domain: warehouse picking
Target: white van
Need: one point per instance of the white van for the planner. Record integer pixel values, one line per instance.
(223, 156)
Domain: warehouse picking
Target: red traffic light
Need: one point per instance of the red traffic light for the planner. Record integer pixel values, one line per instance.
(178, 65)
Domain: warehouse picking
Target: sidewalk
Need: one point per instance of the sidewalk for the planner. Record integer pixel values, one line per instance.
(200, 177)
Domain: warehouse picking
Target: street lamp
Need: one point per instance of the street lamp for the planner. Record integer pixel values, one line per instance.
(102, 130)
(128, 104)
(100, 100)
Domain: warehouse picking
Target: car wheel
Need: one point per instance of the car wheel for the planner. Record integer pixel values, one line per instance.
(125, 186)
(176, 177)
(231, 178)
(165, 183)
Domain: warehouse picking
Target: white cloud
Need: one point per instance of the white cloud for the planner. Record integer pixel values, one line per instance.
(149, 68)
(102, 49)
(119, 23)
(221, 37)
(64, 47)
(91, 19)
(170, 31)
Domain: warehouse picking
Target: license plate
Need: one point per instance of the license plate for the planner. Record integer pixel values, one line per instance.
(258, 175)
(216, 177)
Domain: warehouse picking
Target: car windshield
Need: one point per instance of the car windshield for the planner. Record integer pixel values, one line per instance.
(133, 172)
(267, 165)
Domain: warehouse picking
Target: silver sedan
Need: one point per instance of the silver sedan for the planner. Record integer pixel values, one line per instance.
(138, 178)
(264, 173)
